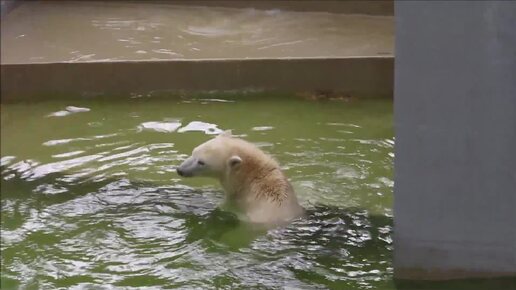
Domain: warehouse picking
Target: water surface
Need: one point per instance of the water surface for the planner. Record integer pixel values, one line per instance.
(90, 198)
(91, 31)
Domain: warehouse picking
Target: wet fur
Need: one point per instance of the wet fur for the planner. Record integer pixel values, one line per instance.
(259, 182)
(259, 174)
(255, 184)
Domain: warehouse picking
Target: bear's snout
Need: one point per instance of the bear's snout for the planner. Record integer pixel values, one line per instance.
(183, 173)
(187, 168)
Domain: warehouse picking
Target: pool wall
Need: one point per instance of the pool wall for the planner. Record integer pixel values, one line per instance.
(370, 7)
(41, 63)
(362, 77)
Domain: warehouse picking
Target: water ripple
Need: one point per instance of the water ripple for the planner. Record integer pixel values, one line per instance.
(102, 206)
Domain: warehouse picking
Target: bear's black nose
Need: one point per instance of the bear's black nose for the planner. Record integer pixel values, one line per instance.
(180, 172)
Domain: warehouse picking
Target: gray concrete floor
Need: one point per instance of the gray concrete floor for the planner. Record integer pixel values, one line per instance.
(84, 31)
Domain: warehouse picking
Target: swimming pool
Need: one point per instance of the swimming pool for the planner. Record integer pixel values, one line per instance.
(90, 197)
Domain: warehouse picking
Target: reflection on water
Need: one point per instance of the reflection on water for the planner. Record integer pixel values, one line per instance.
(101, 205)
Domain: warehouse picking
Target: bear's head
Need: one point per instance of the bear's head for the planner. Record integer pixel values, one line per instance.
(211, 159)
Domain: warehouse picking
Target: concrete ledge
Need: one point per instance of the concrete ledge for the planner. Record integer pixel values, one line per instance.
(369, 7)
(357, 77)
(69, 49)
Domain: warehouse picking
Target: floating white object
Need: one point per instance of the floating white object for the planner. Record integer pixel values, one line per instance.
(74, 109)
(166, 127)
(207, 128)
(68, 110)
(262, 128)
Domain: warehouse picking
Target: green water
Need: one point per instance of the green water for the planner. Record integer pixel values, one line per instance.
(91, 200)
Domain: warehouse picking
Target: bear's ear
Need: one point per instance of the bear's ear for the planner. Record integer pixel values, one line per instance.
(234, 161)
(226, 133)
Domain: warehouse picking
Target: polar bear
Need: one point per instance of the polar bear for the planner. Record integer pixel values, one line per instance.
(252, 180)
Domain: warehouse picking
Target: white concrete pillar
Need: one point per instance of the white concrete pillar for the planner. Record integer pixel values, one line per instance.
(455, 122)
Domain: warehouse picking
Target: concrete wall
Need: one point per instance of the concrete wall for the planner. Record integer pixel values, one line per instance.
(455, 121)
(357, 77)
(69, 48)
(7, 5)
(371, 7)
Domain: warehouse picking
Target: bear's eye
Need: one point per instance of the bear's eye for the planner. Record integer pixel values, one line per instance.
(200, 162)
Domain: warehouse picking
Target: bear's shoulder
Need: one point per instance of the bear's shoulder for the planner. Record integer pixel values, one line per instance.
(274, 187)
